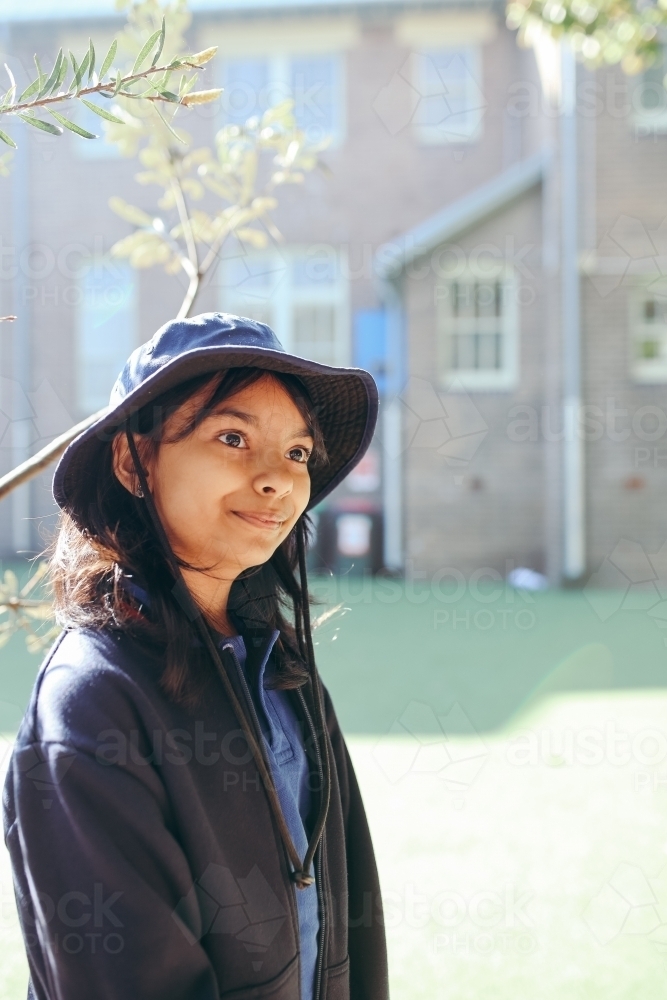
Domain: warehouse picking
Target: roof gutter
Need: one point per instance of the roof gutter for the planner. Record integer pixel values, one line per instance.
(18, 11)
(465, 213)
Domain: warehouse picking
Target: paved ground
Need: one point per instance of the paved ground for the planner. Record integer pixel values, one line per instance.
(516, 783)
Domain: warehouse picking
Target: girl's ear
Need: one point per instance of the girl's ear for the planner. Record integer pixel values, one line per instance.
(123, 464)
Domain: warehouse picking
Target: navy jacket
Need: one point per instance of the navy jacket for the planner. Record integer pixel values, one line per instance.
(146, 859)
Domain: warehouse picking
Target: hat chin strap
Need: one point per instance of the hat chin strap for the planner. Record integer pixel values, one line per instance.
(301, 870)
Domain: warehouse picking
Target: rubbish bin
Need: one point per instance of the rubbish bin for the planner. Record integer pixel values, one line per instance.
(348, 541)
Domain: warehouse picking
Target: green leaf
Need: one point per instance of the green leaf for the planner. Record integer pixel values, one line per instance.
(54, 75)
(168, 96)
(109, 58)
(11, 76)
(102, 112)
(61, 75)
(8, 139)
(186, 84)
(145, 50)
(119, 81)
(38, 123)
(161, 45)
(40, 72)
(168, 126)
(78, 76)
(8, 98)
(91, 60)
(72, 127)
(29, 91)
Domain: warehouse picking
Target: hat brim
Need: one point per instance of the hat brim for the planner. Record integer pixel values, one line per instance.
(345, 400)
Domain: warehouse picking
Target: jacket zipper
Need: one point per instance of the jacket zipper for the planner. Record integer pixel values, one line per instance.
(318, 856)
(258, 729)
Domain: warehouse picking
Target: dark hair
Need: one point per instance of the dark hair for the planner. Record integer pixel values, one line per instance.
(92, 559)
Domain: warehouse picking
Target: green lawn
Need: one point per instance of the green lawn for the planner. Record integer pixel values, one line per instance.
(543, 880)
(514, 767)
(492, 654)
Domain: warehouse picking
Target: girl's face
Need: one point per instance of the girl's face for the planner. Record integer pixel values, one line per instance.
(229, 493)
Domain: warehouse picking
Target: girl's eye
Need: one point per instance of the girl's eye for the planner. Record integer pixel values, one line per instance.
(299, 454)
(232, 438)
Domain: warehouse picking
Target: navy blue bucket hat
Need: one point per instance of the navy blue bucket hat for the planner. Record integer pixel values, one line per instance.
(345, 399)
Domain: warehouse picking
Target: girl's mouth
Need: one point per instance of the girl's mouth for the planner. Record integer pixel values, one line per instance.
(259, 520)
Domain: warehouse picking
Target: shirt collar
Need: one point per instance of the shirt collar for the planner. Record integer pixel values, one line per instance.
(259, 639)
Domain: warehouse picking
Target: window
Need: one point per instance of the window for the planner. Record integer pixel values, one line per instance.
(649, 99)
(451, 105)
(477, 332)
(648, 325)
(91, 149)
(106, 331)
(246, 89)
(254, 83)
(301, 294)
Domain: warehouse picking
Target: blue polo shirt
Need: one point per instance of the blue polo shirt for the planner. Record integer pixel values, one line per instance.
(284, 745)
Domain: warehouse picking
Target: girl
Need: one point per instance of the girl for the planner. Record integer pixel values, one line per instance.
(181, 812)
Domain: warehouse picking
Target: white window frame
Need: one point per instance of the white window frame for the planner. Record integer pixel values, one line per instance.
(436, 135)
(280, 78)
(649, 122)
(645, 371)
(480, 380)
(283, 295)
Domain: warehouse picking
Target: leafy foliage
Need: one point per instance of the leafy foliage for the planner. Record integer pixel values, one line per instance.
(602, 32)
(224, 182)
(22, 611)
(144, 83)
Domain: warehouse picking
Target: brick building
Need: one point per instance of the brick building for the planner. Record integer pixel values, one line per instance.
(487, 241)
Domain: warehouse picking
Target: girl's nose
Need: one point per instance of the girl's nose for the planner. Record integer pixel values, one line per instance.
(273, 478)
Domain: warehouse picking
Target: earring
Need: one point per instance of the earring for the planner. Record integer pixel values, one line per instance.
(139, 492)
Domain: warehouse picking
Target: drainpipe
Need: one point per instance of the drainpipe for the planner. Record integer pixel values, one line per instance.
(392, 428)
(574, 509)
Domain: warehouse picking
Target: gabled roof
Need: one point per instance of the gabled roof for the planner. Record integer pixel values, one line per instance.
(462, 214)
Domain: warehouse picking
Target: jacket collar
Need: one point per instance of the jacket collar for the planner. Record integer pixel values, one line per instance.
(259, 641)
(259, 638)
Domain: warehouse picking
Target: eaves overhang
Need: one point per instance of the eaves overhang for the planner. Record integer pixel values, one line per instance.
(25, 11)
(461, 215)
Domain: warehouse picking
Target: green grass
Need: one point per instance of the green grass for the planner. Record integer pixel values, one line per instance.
(540, 881)
(515, 776)
(491, 654)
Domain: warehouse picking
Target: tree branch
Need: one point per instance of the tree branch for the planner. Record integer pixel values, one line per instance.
(190, 296)
(22, 473)
(99, 88)
(193, 257)
(184, 218)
